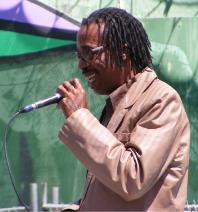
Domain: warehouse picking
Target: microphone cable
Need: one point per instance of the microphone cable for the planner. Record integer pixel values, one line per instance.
(4, 147)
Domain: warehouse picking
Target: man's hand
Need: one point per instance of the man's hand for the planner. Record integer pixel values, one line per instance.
(74, 97)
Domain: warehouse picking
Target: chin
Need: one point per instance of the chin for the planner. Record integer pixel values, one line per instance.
(97, 91)
(100, 92)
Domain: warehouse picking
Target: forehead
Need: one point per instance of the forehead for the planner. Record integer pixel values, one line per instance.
(90, 35)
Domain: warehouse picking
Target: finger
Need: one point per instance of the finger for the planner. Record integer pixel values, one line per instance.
(72, 82)
(68, 86)
(77, 84)
(64, 92)
(61, 90)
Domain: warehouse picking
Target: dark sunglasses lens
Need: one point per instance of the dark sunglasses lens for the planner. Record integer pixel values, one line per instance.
(81, 56)
(87, 54)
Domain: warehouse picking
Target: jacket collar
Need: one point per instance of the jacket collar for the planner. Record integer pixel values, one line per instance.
(139, 85)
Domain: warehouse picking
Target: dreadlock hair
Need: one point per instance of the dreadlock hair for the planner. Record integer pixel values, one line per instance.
(123, 33)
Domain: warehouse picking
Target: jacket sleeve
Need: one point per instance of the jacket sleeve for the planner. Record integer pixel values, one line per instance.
(129, 170)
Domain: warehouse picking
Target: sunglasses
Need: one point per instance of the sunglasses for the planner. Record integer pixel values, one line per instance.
(88, 54)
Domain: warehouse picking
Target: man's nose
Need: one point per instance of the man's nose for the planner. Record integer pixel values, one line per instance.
(82, 64)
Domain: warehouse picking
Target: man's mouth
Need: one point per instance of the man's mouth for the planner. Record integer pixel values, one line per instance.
(89, 75)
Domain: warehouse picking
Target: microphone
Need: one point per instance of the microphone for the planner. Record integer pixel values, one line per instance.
(41, 103)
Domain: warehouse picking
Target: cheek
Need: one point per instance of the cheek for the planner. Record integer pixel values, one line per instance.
(102, 57)
(99, 63)
(104, 60)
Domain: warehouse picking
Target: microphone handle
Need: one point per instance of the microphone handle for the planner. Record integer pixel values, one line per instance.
(42, 103)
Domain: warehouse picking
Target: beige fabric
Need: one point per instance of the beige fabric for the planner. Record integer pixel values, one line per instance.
(140, 161)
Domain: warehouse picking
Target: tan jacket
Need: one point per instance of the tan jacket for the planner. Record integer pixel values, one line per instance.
(140, 161)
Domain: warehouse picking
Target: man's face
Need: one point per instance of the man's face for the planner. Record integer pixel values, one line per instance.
(101, 77)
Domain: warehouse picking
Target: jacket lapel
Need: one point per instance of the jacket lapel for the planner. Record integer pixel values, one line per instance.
(140, 84)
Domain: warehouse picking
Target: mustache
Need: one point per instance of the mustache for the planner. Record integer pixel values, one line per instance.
(88, 69)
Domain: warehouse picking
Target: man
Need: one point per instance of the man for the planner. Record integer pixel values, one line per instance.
(137, 155)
